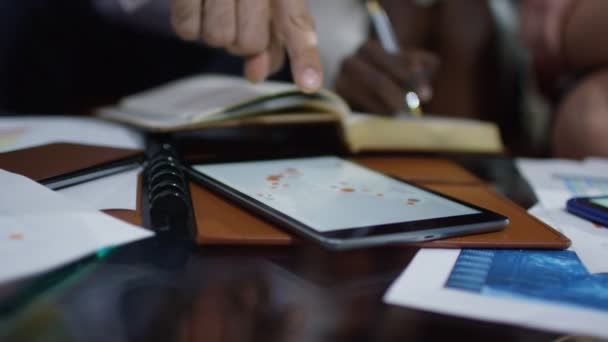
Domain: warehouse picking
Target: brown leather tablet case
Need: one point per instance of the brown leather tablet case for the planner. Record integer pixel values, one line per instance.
(58, 159)
(221, 222)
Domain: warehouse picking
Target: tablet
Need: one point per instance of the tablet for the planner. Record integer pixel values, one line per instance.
(342, 204)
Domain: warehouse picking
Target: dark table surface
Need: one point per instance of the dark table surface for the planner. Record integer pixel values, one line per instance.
(160, 290)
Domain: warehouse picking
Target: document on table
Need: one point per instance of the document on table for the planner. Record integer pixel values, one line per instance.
(117, 191)
(113, 192)
(548, 290)
(562, 291)
(41, 229)
(28, 131)
(555, 181)
(589, 240)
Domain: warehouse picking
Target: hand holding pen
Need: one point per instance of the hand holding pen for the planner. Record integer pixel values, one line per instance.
(383, 78)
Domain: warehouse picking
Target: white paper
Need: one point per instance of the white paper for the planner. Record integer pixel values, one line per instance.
(113, 192)
(28, 131)
(596, 162)
(117, 191)
(589, 240)
(554, 181)
(41, 229)
(421, 286)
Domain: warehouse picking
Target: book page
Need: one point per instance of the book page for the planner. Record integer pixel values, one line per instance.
(201, 100)
(192, 97)
(366, 132)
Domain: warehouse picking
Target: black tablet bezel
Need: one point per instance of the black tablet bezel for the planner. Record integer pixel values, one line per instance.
(483, 221)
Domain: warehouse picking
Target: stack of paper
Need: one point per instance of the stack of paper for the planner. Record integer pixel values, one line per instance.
(563, 291)
(41, 229)
(114, 192)
(554, 182)
(22, 132)
(547, 290)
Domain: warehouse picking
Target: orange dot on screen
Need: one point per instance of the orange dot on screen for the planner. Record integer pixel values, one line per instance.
(348, 190)
(15, 236)
(273, 178)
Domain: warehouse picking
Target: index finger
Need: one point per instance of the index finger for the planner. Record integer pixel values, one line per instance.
(186, 18)
(295, 26)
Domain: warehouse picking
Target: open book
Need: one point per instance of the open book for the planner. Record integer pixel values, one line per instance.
(219, 101)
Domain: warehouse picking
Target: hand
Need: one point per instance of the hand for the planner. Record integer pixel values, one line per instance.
(260, 31)
(375, 81)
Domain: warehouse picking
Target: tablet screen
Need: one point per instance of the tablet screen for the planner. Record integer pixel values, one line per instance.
(330, 194)
(601, 201)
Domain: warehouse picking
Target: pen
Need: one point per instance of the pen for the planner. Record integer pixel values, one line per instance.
(388, 39)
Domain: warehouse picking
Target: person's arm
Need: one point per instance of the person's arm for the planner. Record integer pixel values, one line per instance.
(259, 30)
(584, 35)
(568, 36)
(565, 35)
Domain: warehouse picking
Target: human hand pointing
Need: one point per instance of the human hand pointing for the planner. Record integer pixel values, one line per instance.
(260, 31)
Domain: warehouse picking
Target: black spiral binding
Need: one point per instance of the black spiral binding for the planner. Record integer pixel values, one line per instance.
(166, 201)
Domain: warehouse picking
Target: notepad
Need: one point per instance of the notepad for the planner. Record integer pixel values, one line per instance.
(212, 101)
